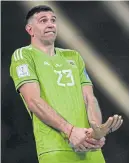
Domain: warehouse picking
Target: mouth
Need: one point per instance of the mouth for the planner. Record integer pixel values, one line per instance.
(50, 32)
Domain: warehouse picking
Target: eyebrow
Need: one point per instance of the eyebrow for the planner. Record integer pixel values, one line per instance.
(46, 16)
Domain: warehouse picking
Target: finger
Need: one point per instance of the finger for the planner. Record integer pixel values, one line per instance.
(108, 123)
(92, 141)
(82, 147)
(90, 146)
(118, 126)
(102, 141)
(85, 144)
(77, 149)
(116, 118)
(118, 123)
(87, 132)
(102, 144)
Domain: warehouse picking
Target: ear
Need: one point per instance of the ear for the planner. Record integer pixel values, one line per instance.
(29, 29)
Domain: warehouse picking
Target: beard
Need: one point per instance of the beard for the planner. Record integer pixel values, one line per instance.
(49, 41)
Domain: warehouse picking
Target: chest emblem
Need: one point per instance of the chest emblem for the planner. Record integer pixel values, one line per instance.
(72, 62)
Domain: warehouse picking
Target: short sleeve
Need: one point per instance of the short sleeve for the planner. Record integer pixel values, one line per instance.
(22, 68)
(84, 77)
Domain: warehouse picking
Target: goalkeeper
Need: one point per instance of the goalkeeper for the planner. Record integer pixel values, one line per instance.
(58, 95)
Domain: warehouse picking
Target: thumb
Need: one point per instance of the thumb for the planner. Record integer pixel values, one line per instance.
(109, 122)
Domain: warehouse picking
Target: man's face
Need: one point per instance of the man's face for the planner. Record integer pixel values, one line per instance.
(43, 27)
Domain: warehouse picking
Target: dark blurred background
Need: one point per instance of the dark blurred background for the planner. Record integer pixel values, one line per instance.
(106, 35)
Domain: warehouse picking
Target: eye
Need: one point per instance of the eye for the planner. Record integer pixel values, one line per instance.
(43, 20)
(53, 20)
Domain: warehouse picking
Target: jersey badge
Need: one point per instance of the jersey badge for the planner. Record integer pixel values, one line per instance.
(22, 71)
(72, 62)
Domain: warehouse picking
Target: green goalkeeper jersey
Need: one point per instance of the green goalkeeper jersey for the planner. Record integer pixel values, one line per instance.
(60, 78)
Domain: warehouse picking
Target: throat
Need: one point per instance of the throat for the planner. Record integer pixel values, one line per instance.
(49, 49)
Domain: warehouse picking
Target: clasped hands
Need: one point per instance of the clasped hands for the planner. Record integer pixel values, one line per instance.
(86, 139)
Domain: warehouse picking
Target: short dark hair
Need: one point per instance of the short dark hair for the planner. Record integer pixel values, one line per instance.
(37, 9)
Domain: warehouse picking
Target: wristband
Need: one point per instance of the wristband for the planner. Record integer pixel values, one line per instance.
(70, 132)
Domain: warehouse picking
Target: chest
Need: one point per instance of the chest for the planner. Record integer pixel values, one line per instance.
(59, 69)
(47, 64)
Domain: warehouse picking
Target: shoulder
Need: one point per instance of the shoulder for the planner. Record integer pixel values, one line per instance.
(69, 54)
(21, 53)
(66, 52)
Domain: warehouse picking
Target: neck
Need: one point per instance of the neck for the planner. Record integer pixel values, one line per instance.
(48, 49)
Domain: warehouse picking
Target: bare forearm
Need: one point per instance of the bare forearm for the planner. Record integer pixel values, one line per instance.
(94, 112)
(49, 116)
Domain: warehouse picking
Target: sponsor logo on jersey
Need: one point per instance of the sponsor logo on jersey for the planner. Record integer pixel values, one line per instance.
(46, 63)
(58, 65)
(22, 71)
(72, 62)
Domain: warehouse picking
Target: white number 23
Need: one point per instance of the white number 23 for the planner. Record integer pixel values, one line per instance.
(68, 74)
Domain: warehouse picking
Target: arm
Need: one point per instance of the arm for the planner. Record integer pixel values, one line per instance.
(93, 109)
(99, 130)
(31, 94)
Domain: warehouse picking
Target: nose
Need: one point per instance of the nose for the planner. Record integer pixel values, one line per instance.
(50, 24)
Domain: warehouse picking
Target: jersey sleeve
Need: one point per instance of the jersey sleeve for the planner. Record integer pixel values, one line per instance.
(22, 69)
(84, 77)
